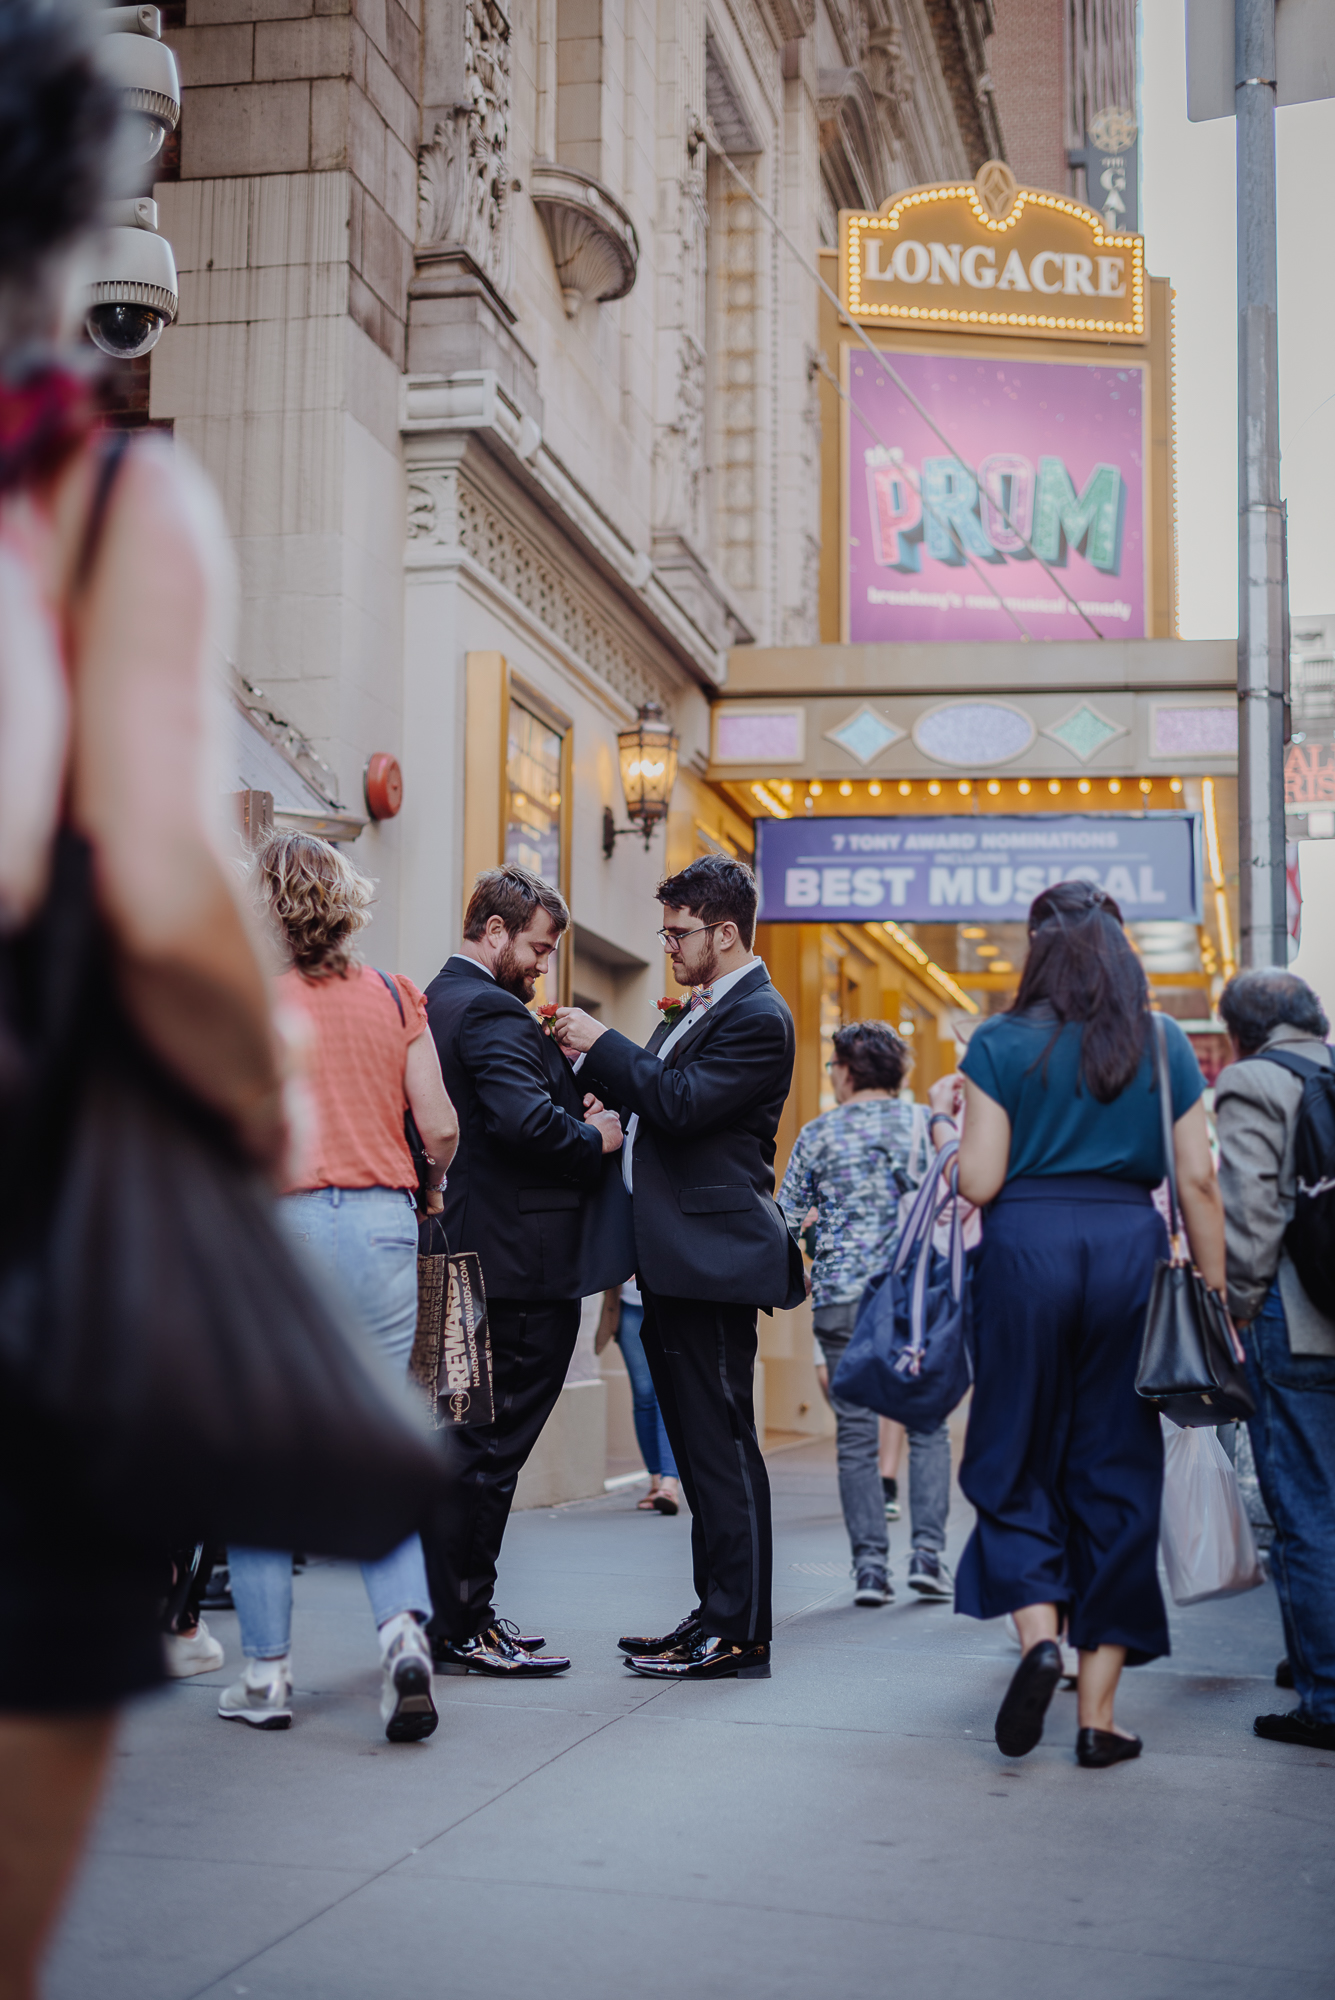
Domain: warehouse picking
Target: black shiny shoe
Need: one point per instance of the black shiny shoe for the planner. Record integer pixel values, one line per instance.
(494, 1652)
(704, 1659)
(1297, 1727)
(1020, 1718)
(1095, 1749)
(532, 1642)
(680, 1636)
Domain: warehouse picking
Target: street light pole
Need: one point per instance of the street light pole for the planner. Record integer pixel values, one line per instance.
(1262, 581)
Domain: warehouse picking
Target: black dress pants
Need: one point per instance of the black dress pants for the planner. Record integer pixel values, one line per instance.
(702, 1357)
(531, 1345)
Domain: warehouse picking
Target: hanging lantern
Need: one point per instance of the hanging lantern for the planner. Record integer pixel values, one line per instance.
(648, 758)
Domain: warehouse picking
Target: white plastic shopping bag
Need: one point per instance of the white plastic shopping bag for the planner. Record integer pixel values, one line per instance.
(1205, 1537)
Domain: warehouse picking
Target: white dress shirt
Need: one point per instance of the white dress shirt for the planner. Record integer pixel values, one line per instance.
(679, 1034)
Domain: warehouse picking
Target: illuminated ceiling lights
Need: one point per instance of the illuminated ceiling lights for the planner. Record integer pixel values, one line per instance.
(763, 795)
(930, 968)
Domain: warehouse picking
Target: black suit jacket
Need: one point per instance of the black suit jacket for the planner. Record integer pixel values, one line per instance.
(530, 1188)
(707, 1225)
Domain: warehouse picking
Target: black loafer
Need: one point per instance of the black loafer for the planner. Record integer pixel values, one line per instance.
(705, 1659)
(1095, 1749)
(1297, 1727)
(1020, 1718)
(680, 1635)
(494, 1652)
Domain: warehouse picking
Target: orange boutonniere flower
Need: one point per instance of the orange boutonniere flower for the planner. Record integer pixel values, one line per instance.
(672, 1007)
(547, 1017)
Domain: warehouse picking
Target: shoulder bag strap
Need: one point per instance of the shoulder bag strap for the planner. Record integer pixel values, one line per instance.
(394, 995)
(110, 460)
(1166, 1119)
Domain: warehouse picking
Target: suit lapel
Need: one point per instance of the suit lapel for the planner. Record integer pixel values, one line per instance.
(698, 1035)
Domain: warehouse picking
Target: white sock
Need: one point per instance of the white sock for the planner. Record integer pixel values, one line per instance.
(404, 1622)
(263, 1673)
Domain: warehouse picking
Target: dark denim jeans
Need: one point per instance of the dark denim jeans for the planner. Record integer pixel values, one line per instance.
(857, 1447)
(1293, 1443)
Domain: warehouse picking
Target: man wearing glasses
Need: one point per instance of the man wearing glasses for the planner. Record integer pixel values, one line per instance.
(704, 1101)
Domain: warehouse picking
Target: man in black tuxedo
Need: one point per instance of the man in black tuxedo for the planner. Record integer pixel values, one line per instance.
(531, 1189)
(711, 1244)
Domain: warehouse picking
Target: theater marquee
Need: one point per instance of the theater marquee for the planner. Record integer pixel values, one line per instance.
(996, 256)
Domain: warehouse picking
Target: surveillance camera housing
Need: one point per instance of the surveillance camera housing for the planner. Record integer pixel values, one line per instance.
(132, 290)
(145, 73)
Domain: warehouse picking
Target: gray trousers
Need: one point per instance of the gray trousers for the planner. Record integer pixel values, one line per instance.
(857, 1445)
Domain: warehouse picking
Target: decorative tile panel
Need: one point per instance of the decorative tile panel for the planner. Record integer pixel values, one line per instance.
(1084, 732)
(973, 733)
(864, 734)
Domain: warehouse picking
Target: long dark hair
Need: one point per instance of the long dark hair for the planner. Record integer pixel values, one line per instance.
(1082, 967)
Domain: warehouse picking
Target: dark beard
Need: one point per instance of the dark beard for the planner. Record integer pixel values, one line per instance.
(512, 978)
(708, 971)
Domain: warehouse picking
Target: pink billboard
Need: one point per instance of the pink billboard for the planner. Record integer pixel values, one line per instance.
(1048, 454)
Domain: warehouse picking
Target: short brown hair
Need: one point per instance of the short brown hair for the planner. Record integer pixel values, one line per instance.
(717, 890)
(512, 894)
(317, 900)
(873, 1055)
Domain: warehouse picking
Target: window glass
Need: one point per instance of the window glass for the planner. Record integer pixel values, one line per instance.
(533, 795)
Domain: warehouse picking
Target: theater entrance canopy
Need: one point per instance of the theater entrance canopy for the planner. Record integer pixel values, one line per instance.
(996, 632)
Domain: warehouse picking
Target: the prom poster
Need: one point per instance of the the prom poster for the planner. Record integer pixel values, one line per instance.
(1033, 467)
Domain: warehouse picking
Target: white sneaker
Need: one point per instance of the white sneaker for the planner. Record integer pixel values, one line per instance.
(406, 1707)
(262, 1697)
(199, 1654)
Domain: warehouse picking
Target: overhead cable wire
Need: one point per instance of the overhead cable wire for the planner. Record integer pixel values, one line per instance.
(948, 524)
(878, 355)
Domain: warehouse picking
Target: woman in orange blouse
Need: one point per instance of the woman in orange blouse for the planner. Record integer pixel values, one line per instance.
(370, 1059)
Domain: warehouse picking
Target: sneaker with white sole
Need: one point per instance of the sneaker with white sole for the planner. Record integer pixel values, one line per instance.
(262, 1697)
(929, 1576)
(873, 1587)
(406, 1707)
(200, 1653)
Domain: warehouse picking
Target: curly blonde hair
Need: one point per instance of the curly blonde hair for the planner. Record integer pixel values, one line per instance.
(317, 900)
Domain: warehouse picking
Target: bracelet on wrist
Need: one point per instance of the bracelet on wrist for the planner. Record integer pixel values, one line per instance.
(941, 1118)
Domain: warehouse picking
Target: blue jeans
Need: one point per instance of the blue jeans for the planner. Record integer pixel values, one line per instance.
(858, 1452)
(649, 1432)
(367, 1238)
(1293, 1443)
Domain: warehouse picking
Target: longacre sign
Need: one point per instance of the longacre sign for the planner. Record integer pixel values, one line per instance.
(993, 255)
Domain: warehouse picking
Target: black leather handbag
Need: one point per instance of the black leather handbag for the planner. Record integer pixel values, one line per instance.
(1191, 1368)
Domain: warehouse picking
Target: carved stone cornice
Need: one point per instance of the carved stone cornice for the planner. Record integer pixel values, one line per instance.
(438, 413)
(594, 245)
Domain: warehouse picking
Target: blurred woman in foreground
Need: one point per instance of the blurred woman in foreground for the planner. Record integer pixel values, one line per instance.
(1063, 1461)
(351, 1202)
(109, 590)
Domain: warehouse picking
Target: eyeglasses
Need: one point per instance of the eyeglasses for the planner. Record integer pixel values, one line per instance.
(674, 940)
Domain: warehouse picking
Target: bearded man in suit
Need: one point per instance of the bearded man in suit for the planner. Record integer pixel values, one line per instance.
(711, 1245)
(533, 1192)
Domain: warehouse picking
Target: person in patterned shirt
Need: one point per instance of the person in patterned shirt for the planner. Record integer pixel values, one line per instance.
(852, 1165)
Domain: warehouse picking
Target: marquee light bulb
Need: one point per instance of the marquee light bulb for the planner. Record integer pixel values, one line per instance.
(845, 790)
(934, 789)
(1054, 784)
(1024, 788)
(874, 788)
(993, 786)
(904, 788)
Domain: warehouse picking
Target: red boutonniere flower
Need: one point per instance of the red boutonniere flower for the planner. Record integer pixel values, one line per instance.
(547, 1017)
(672, 1007)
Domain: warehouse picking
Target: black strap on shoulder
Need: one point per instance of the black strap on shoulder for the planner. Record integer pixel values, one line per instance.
(1301, 1066)
(393, 994)
(109, 464)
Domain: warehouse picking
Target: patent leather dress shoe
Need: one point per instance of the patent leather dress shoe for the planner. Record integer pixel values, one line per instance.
(680, 1636)
(1095, 1749)
(532, 1642)
(1033, 1684)
(705, 1659)
(495, 1652)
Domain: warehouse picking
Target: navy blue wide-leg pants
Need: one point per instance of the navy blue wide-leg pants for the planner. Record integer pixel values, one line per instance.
(1063, 1462)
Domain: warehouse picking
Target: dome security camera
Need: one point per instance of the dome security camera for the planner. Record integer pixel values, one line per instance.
(132, 290)
(143, 69)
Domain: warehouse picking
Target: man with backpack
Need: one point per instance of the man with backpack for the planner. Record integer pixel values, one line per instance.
(1275, 1109)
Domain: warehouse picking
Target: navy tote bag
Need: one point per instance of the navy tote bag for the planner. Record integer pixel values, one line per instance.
(909, 1357)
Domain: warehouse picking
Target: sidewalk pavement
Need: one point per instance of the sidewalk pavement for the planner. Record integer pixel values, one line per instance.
(847, 1828)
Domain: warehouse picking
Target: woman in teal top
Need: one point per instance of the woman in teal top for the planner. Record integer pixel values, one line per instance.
(1063, 1462)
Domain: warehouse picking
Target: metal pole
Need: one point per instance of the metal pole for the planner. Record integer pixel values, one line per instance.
(1262, 587)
